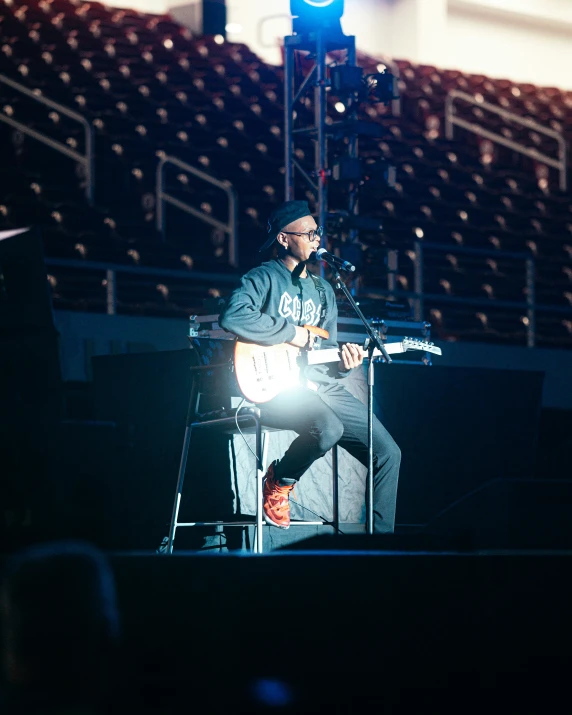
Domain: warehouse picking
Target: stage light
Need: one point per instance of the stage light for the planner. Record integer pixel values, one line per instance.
(317, 7)
(312, 15)
(347, 168)
(381, 172)
(272, 692)
(346, 79)
(340, 107)
(382, 87)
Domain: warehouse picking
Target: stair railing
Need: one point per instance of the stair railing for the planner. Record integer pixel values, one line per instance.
(230, 227)
(86, 160)
(453, 120)
(529, 305)
(111, 271)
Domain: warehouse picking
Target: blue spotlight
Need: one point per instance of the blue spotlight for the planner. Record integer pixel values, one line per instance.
(312, 15)
(272, 692)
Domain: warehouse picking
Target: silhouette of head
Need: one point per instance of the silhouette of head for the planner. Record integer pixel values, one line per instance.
(60, 617)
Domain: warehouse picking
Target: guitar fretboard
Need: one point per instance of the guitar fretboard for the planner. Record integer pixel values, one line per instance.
(316, 357)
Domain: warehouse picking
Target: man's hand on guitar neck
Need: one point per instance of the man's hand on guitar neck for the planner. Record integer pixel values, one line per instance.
(352, 356)
(351, 353)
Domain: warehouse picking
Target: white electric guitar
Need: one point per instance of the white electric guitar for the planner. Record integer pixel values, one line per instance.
(262, 372)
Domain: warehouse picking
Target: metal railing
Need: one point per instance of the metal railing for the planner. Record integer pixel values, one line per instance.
(230, 228)
(86, 160)
(418, 296)
(452, 120)
(111, 271)
(529, 305)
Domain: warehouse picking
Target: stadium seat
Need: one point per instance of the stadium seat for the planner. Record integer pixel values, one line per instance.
(151, 89)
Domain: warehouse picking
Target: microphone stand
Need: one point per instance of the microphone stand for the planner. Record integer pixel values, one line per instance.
(373, 342)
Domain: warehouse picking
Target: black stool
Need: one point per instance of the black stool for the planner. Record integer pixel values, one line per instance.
(248, 421)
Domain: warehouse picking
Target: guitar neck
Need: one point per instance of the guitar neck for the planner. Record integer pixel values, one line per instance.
(317, 357)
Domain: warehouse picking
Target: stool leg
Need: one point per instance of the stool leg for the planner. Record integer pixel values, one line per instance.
(335, 491)
(262, 455)
(180, 482)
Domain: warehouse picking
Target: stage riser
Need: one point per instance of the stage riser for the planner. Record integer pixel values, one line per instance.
(349, 612)
(457, 429)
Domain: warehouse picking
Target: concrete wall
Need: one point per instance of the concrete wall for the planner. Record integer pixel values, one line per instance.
(523, 40)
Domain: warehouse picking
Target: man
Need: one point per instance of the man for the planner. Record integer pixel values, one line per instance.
(273, 303)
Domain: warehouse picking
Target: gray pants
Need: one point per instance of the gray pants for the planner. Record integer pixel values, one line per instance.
(334, 416)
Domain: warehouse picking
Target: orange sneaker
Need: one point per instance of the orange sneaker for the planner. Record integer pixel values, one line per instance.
(275, 498)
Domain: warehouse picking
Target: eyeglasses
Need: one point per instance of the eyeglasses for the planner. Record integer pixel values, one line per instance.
(310, 235)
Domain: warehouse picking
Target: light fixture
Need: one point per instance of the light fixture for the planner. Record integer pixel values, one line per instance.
(381, 172)
(381, 87)
(346, 79)
(347, 168)
(312, 15)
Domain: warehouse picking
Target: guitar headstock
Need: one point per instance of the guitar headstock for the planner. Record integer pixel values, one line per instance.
(416, 344)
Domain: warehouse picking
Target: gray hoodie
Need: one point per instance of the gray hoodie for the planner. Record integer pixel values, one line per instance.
(271, 301)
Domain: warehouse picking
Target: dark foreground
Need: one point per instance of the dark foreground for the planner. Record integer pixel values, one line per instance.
(347, 630)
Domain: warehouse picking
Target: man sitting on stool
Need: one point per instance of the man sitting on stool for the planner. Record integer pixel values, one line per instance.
(273, 303)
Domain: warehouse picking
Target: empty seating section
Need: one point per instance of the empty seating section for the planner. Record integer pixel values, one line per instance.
(150, 89)
(425, 88)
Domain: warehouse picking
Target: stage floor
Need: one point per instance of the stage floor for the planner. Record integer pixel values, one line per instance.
(340, 629)
(374, 625)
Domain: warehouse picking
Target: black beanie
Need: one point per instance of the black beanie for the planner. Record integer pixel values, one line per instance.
(283, 215)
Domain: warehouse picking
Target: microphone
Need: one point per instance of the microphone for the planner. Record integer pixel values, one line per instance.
(322, 255)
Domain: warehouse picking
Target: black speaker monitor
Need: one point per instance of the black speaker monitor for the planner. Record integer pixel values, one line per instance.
(29, 352)
(25, 301)
(511, 514)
